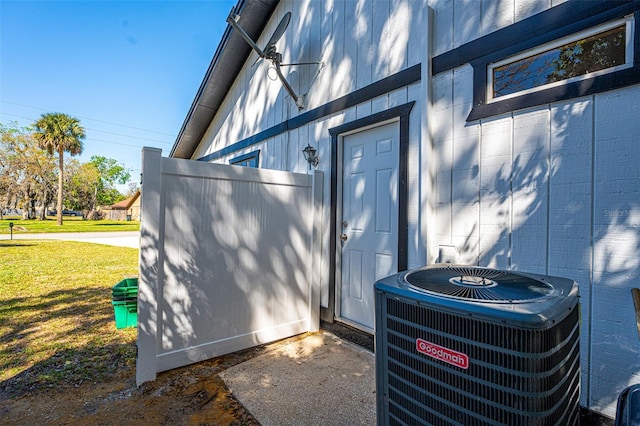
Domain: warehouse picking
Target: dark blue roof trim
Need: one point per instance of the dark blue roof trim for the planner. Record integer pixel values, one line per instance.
(560, 21)
(227, 62)
(386, 85)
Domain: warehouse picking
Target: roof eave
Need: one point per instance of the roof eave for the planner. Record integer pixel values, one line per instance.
(227, 62)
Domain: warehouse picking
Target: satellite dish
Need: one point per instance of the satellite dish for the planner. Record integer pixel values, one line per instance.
(270, 48)
(269, 52)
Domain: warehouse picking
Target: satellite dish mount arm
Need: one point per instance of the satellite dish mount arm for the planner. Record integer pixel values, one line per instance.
(298, 100)
(269, 52)
(232, 20)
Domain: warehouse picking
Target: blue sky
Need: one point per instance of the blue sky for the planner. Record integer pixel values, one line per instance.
(129, 70)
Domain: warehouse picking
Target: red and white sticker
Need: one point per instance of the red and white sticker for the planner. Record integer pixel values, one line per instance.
(443, 354)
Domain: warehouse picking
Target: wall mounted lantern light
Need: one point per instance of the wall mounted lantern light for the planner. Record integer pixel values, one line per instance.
(311, 155)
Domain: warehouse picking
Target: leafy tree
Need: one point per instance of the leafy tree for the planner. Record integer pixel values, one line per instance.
(6, 181)
(42, 172)
(27, 172)
(81, 181)
(59, 133)
(88, 185)
(111, 174)
(111, 196)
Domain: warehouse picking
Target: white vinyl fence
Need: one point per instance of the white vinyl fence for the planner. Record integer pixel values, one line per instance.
(228, 260)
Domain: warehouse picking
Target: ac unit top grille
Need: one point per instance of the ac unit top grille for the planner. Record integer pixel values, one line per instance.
(478, 284)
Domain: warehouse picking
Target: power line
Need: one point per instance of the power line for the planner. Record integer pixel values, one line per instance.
(87, 118)
(129, 136)
(103, 131)
(113, 143)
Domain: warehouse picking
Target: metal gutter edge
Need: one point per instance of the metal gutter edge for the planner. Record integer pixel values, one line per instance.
(227, 61)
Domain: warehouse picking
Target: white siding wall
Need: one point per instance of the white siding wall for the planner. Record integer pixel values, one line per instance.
(553, 189)
(359, 42)
(460, 21)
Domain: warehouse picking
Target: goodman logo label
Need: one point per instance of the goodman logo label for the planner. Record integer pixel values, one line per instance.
(443, 354)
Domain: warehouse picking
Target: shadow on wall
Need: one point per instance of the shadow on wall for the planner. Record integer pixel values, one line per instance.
(558, 192)
(351, 56)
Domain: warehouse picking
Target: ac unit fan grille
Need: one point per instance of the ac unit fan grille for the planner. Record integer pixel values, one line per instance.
(514, 375)
(479, 284)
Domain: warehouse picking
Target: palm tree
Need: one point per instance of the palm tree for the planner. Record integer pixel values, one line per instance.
(59, 133)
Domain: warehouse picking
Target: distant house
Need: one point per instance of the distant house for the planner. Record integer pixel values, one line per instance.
(128, 209)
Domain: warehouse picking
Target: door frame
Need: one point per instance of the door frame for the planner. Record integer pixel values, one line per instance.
(398, 114)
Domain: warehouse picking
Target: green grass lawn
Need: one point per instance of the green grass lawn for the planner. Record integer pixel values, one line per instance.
(69, 224)
(56, 317)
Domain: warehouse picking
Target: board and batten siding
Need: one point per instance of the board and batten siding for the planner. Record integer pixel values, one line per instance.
(461, 21)
(358, 43)
(556, 190)
(553, 189)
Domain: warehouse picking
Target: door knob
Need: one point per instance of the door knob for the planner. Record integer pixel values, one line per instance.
(344, 237)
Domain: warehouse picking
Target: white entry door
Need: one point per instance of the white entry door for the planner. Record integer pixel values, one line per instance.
(368, 228)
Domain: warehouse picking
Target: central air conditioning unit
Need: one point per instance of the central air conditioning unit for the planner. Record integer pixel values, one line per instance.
(458, 345)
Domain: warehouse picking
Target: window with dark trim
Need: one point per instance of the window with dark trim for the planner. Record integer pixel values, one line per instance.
(575, 49)
(606, 48)
(251, 159)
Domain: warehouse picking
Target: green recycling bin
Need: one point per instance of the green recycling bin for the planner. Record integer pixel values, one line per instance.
(124, 298)
(126, 314)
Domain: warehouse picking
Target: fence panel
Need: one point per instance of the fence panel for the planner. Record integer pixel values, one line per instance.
(227, 260)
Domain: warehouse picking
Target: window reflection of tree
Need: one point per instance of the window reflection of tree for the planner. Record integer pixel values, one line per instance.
(513, 77)
(591, 54)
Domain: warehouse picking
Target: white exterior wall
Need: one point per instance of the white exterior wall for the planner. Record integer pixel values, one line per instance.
(553, 189)
(359, 43)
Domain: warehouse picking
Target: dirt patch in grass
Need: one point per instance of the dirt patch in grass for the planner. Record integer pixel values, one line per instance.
(192, 395)
(62, 361)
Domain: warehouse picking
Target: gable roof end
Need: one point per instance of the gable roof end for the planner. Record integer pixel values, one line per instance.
(227, 62)
(124, 204)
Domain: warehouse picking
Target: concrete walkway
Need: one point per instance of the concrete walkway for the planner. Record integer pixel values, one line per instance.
(120, 239)
(319, 380)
